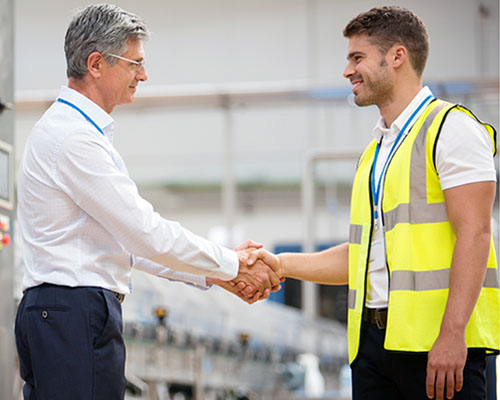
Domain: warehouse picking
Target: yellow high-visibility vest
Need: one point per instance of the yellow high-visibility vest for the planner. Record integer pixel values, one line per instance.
(419, 245)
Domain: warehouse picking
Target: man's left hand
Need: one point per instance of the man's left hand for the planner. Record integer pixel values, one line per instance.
(445, 365)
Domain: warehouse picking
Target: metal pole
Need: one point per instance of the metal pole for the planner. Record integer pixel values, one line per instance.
(228, 185)
(199, 384)
(309, 289)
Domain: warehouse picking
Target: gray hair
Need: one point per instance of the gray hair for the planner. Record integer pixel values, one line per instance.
(105, 28)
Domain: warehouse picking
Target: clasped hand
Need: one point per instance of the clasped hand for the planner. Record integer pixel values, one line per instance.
(257, 275)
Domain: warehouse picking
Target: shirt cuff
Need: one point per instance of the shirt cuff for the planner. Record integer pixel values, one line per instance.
(197, 281)
(229, 265)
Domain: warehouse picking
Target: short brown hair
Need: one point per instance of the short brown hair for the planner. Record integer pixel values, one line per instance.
(391, 25)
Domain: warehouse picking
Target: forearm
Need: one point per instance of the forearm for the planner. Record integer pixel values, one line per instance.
(469, 210)
(467, 274)
(447, 358)
(159, 270)
(328, 267)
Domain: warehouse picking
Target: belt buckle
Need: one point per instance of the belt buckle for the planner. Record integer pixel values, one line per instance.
(378, 320)
(119, 296)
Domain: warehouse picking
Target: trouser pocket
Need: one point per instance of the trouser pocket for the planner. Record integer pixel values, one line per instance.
(109, 348)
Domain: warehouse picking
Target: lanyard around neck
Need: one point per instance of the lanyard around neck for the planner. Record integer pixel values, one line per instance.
(376, 189)
(81, 112)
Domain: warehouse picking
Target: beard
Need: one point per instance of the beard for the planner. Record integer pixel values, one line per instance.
(376, 90)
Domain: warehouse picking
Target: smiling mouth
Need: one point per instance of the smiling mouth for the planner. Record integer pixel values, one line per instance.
(355, 84)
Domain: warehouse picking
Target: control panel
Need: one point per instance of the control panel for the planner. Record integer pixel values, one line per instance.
(6, 176)
(4, 231)
(6, 193)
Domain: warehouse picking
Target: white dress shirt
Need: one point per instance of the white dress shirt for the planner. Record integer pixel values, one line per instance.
(82, 219)
(463, 155)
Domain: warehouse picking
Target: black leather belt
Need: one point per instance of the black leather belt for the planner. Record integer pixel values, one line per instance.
(376, 316)
(119, 296)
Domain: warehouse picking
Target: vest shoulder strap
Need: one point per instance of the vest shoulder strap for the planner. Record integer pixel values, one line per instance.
(459, 107)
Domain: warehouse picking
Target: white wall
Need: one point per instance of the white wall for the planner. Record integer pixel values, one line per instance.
(228, 41)
(224, 41)
(198, 41)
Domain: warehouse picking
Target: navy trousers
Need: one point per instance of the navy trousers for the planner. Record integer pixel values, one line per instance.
(378, 374)
(70, 344)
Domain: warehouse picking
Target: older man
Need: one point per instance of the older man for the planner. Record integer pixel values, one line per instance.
(85, 226)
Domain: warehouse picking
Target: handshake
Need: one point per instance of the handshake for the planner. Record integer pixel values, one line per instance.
(259, 274)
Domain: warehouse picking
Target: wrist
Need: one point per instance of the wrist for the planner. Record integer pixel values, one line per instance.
(210, 281)
(452, 328)
(283, 264)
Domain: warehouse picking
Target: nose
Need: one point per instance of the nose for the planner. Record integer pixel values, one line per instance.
(348, 71)
(142, 74)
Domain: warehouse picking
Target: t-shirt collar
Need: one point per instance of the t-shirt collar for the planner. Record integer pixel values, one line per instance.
(380, 129)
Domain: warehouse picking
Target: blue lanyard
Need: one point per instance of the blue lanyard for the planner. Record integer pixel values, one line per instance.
(81, 112)
(376, 190)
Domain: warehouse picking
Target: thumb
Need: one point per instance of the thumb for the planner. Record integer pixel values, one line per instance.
(267, 257)
(255, 255)
(249, 244)
(272, 260)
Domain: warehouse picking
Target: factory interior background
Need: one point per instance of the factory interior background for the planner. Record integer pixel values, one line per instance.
(245, 129)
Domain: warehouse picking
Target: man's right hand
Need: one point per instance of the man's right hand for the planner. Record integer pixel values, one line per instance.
(258, 262)
(255, 280)
(235, 289)
(255, 275)
(268, 258)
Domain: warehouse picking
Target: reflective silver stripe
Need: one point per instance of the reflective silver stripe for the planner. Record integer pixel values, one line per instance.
(418, 211)
(492, 279)
(351, 299)
(420, 280)
(418, 181)
(434, 280)
(355, 233)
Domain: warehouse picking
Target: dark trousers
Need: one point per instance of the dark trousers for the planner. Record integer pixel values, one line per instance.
(378, 374)
(70, 344)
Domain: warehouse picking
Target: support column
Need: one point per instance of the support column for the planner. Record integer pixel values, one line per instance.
(7, 360)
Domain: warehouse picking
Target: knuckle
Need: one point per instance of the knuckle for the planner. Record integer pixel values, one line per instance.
(261, 277)
(439, 364)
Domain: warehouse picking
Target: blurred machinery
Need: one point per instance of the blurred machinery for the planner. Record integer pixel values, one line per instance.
(6, 198)
(210, 345)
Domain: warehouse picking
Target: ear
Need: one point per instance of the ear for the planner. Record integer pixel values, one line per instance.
(95, 64)
(399, 55)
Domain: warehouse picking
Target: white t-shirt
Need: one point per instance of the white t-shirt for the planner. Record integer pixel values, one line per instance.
(463, 155)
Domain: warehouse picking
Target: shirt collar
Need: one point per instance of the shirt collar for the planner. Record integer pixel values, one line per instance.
(96, 113)
(380, 129)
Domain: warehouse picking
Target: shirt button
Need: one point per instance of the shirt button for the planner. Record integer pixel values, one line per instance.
(45, 314)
